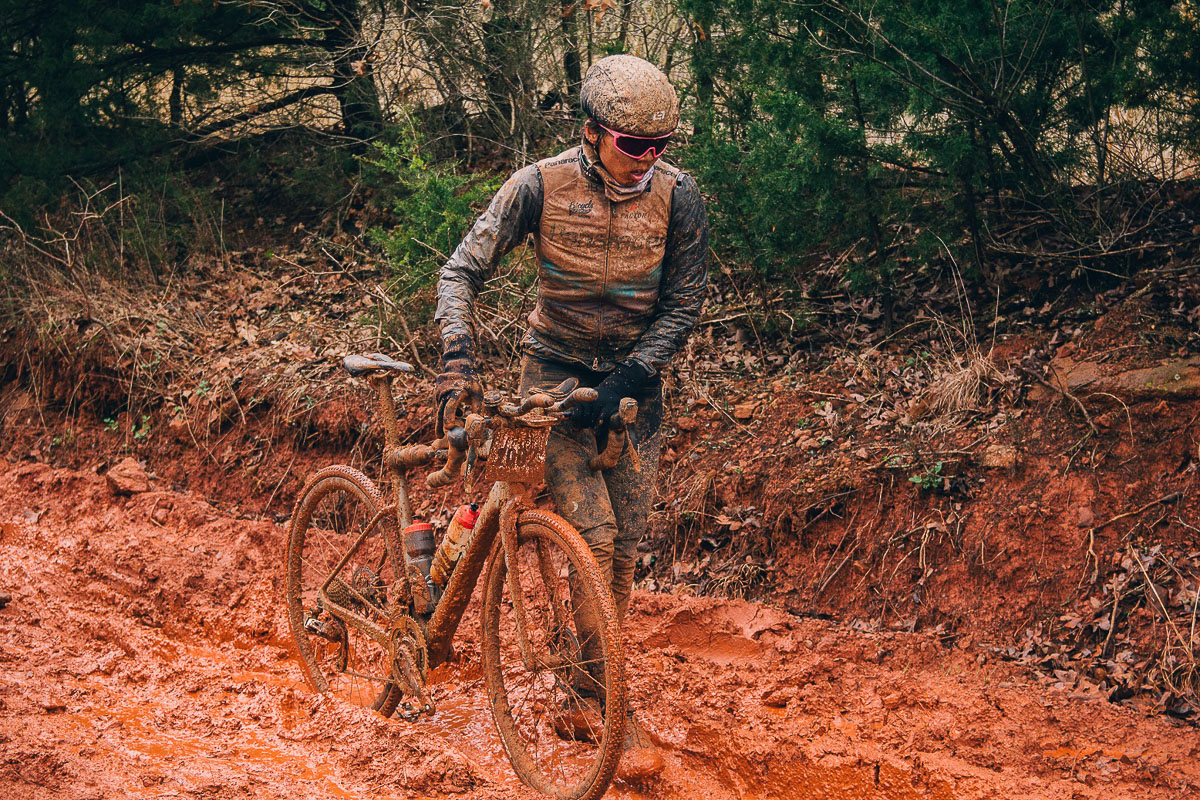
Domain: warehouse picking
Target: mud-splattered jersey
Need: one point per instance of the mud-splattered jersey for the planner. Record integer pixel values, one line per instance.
(616, 280)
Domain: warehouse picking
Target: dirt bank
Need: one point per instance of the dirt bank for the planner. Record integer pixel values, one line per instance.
(146, 656)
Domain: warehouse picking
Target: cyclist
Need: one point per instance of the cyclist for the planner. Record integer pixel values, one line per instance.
(621, 239)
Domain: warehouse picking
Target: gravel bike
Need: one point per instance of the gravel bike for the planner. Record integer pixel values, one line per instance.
(368, 623)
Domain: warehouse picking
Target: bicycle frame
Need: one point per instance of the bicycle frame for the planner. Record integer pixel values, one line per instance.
(448, 612)
(503, 503)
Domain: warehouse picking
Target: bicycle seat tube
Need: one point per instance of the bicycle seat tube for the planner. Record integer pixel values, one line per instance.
(391, 434)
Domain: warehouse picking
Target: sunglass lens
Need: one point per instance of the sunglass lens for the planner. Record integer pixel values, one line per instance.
(636, 147)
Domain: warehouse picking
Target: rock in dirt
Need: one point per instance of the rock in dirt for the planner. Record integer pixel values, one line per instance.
(1086, 517)
(999, 456)
(744, 411)
(1173, 380)
(128, 477)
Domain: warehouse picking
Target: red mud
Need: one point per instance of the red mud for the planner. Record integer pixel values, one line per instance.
(145, 654)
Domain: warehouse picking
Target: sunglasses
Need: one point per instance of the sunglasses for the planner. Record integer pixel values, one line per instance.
(638, 146)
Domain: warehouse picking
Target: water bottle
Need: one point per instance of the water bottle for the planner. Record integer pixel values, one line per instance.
(454, 543)
(418, 543)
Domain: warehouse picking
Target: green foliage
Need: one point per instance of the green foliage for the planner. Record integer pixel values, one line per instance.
(878, 130)
(928, 479)
(433, 204)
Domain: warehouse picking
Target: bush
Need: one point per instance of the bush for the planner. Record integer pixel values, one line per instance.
(433, 205)
(886, 133)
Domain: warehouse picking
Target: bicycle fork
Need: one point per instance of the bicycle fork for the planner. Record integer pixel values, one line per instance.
(509, 515)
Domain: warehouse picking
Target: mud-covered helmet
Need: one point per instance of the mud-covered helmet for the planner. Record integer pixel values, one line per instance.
(630, 95)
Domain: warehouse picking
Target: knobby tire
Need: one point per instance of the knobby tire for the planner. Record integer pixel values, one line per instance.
(552, 764)
(334, 506)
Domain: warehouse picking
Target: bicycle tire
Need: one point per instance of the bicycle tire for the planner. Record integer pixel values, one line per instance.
(542, 758)
(336, 503)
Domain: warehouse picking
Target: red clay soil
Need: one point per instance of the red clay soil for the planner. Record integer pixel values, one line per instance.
(145, 654)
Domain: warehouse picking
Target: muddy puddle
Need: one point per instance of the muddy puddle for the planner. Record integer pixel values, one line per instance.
(148, 659)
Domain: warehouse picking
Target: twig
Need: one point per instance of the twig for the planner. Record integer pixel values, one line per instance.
(1112, 620)
(1167, 498)
(1064, 393)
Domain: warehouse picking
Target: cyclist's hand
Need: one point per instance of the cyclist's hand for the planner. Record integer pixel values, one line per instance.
(457, 374)
(625, 379)
(458, 371)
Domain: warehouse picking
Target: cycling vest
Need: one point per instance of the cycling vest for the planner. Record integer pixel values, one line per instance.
(599, 261)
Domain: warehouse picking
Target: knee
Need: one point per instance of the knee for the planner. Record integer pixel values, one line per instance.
(602, 540)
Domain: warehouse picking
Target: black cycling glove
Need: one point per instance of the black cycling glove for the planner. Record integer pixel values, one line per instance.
(458, 370)
(626, 379)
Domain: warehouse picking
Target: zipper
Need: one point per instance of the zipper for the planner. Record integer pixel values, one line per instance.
(603, 287)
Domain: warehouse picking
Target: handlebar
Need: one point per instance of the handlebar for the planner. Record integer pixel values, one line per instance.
(548, 401)
(456, 456)
(554, 403)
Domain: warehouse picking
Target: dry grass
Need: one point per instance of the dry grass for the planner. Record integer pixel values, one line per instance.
(963, 374)
(95, 329)
(961, 382)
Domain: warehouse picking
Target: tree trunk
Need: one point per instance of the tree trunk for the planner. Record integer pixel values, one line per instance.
(702, 69)
(571, 62)
(508, 79)
(864, 177)
(626, 14)
(175, 102)
(354, 82)
(971, 204)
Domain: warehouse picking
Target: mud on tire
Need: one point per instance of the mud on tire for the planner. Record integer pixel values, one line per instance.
(562, 587)
(334, 507)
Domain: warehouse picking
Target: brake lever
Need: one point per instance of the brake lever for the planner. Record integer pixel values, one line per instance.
(620, 437)
(582, 395)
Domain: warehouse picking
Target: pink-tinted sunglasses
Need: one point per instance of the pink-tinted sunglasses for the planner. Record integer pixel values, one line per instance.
(638, 146)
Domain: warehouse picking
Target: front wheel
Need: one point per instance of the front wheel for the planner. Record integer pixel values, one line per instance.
(334, 508)
(560, 713)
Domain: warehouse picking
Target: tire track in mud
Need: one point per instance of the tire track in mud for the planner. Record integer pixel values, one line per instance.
(146, 655)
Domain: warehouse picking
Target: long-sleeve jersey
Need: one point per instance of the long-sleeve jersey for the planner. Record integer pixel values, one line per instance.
(618, 280)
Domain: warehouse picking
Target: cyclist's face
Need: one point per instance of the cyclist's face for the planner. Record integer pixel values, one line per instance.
(626, 170)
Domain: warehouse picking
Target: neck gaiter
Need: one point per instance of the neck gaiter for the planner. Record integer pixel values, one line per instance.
(612, 190)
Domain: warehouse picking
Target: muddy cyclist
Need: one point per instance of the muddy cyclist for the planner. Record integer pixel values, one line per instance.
(621, 239)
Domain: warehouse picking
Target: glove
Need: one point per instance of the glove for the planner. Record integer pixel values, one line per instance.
(625, 380)
(456, 375)
(458, 370)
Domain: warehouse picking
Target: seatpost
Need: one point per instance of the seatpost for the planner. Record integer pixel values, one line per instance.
(382, 381)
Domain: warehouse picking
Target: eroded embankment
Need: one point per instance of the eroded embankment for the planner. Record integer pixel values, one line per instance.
(146, 656)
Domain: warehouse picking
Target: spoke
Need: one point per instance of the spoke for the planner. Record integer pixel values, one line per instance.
(561, 681)
(355, 666)
(366, 677)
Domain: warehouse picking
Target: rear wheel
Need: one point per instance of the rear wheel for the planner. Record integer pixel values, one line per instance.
(334, 508)
(562, 718)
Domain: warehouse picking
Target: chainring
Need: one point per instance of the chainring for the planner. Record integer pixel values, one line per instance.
(410, 662)
(405, 632)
